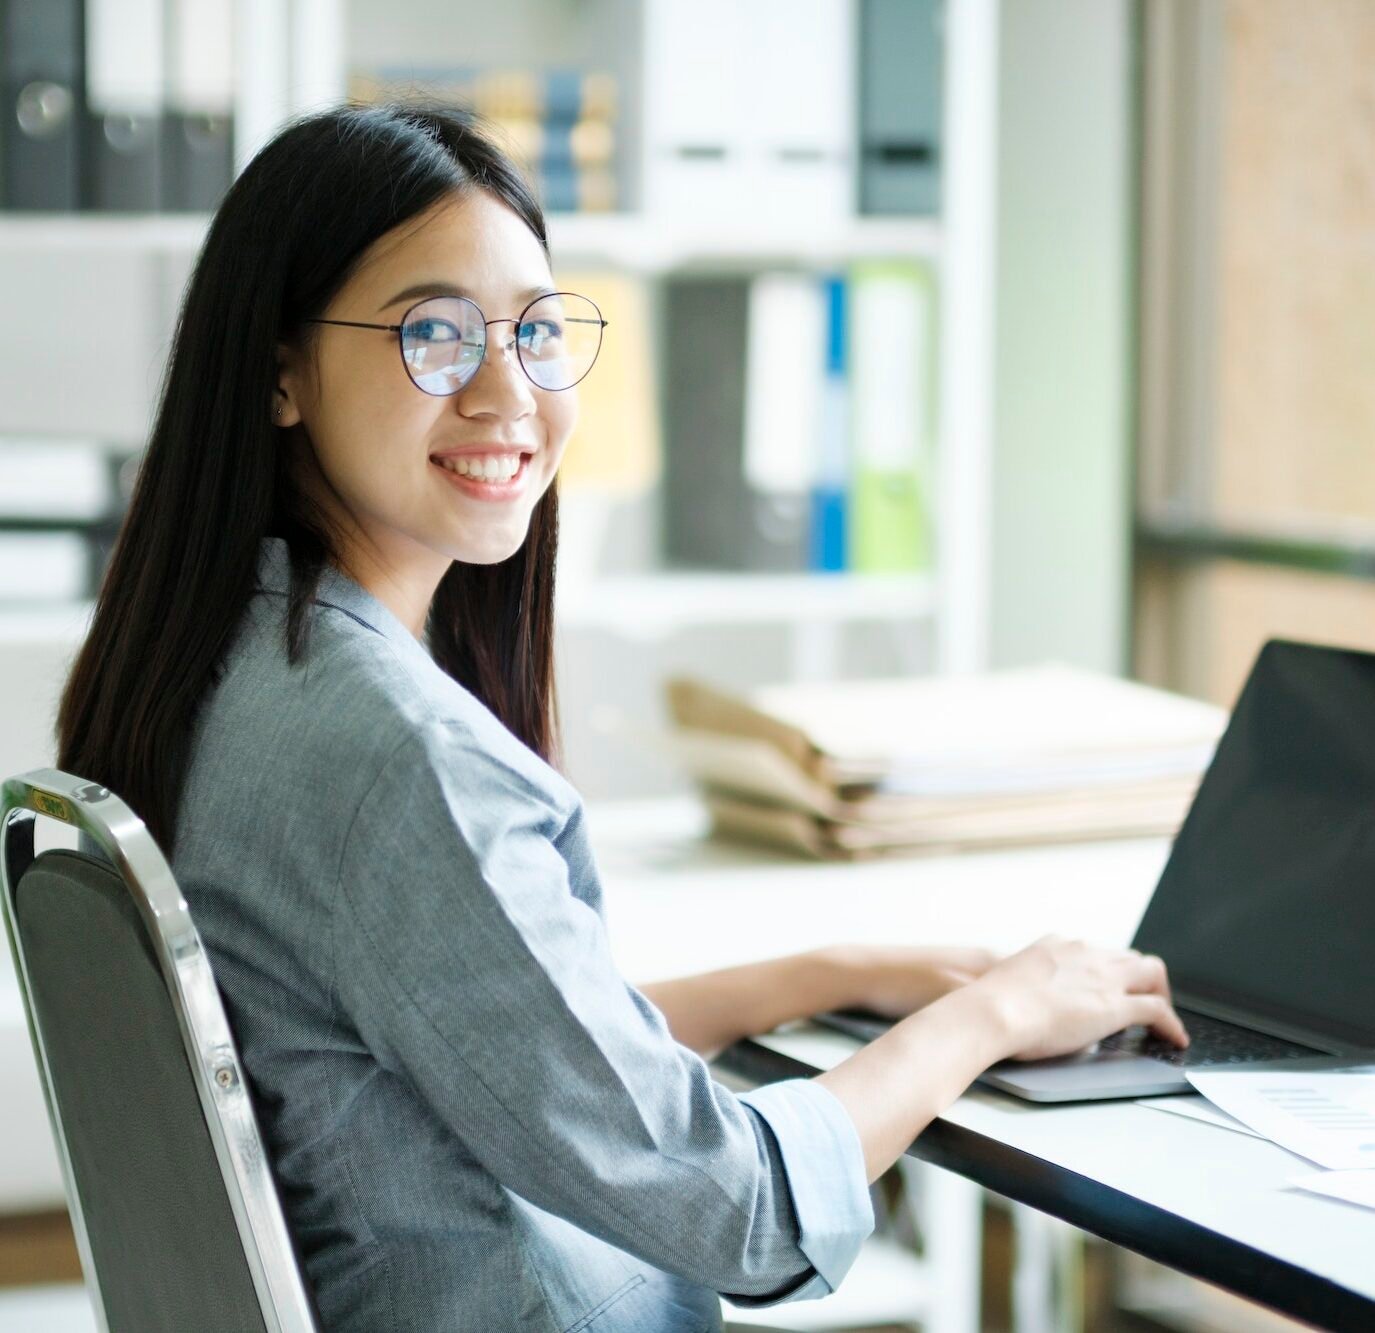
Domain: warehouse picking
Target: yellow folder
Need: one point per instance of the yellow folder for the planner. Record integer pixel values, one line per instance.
(615, 447)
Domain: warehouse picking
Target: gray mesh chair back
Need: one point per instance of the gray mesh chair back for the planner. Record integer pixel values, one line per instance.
(172, 1199)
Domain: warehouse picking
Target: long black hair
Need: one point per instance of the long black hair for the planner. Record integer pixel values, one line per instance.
(215, 478)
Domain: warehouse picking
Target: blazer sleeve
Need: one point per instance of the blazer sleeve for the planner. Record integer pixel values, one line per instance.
(471, 968)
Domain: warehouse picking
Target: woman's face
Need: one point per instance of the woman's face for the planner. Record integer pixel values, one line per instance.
(372, 436)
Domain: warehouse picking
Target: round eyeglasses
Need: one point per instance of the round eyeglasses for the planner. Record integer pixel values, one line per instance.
(443, 340)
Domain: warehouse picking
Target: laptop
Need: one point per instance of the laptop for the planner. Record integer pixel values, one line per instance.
(1265, 911)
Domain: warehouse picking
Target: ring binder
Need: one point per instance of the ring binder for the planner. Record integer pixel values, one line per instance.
(42, 95)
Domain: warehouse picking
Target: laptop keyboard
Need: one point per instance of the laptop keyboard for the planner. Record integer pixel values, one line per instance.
(1212, 1042)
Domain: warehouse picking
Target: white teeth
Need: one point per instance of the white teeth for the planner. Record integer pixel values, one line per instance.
(495, 467)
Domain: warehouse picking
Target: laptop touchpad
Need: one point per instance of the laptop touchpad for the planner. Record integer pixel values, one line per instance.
(1086, 1074)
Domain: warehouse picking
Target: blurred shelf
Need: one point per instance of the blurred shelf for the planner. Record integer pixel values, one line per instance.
(657, 603)
(30, 622)
(630, 240)
(153, 233)
(624, 240)
(636, 603)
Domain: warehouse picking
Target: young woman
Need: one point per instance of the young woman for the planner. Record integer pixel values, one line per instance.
(320, 670)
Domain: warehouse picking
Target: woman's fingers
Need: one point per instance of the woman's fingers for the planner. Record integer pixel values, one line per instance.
(1157, 1014)
(1158, 963)
(1148, 979)
(1146, 972)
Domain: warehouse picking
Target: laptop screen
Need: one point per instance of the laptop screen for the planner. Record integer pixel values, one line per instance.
(1268, 899)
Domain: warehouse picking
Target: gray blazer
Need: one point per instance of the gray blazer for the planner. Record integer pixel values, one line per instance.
(475, 1121)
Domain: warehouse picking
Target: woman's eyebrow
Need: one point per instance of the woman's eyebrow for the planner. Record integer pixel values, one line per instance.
(422, 289)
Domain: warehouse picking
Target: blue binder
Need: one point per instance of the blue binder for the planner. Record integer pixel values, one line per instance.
(830, 504)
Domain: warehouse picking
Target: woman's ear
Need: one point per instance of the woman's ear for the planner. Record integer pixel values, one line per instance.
(286, 395)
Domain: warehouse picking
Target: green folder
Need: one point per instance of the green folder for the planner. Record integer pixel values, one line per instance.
(892, 374)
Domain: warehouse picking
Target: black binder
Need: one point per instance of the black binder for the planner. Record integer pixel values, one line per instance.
(900, 80)
(125, 152)
(198, 161)
(713, 517)
(124, 82)
(198, 144)
(42, 97)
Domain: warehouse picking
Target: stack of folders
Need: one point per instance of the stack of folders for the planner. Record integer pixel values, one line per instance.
(800, 419)
(861, 768)
(559, 124)
(116, 105)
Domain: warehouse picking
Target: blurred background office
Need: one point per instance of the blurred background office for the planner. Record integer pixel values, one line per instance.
(945, 335)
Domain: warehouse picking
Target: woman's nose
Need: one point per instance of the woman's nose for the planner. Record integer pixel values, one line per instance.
(500, 385)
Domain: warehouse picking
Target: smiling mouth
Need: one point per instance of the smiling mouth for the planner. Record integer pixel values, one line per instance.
(495, 468)
(505, 485)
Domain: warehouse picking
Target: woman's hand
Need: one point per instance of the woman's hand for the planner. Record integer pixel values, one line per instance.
(1057, 996)
(1051, 998)
(896, 982)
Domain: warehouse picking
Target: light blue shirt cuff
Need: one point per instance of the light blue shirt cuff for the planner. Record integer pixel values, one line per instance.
(824, 1161)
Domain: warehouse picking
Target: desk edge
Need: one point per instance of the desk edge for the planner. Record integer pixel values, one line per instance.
(1108, 1213)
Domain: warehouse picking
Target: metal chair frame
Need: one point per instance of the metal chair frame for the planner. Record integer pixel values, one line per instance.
(210, 1050)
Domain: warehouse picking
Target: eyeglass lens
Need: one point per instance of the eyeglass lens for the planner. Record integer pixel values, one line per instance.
(443, 341)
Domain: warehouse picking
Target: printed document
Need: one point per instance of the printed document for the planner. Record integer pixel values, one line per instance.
(1324, 1114)
(1196, 1108)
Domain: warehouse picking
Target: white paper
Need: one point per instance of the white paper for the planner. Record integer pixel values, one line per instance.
(1350, 1186)
(1325, 1115)
(1196, 1108)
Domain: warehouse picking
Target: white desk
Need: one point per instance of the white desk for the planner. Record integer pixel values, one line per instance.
(1207, 1201)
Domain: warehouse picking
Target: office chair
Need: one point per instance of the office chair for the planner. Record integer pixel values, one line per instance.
(172, 1200)
(175, 1211)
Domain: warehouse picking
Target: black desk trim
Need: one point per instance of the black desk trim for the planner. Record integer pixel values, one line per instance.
(1106, 1212)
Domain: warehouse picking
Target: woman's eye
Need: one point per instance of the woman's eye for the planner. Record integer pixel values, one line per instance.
(432, 331)
(537, 332)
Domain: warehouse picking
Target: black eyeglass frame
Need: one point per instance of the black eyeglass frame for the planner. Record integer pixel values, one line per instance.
(486, 323)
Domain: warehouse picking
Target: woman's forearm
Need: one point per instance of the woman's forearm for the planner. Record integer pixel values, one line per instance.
(710, 1011)
(893, 1087)
(897, 1084)
(966, 1010)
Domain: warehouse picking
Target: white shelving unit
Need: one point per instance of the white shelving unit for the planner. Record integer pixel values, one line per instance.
(76, 233)
(812, 608)
(294, 56)
(658, 602)
(295, 59)
(959, 245)
(954, 600)
(627, 241)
